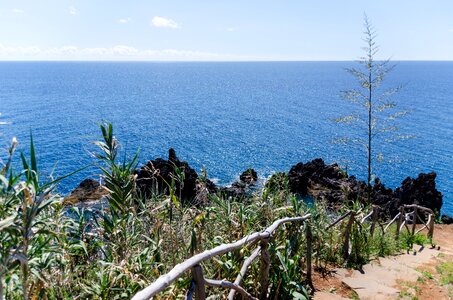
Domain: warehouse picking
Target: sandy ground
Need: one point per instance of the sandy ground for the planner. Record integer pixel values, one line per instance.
(406, 276)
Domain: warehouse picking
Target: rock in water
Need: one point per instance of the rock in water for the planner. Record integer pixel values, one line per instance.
(330, 184)
(88, 190)
(157, 175)
(249, 176)
(242, 188)
(315, 174)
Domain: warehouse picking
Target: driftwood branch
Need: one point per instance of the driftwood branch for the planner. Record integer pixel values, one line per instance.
(424, 226)
(414, 219)
(165, 280)
(392, 221)
(415, 206)
(347, 236)
(375, 213)
(339, 219)
(243, 271)
(431, 226)
(230, 285)
(366, 217)
(399, 223)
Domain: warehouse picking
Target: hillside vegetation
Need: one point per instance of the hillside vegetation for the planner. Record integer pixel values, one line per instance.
(52, 251)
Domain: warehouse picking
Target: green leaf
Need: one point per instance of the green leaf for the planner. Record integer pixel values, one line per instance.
(33, 154)
(299, 296)
(5, 223)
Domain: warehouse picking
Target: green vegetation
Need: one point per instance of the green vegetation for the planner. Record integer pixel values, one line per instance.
(445, 270)
(53, 252)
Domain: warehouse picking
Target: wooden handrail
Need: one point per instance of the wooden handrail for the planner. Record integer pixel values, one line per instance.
(243, 271)
(419, 207)
(193, 263)
(165, 280)
(230, 285)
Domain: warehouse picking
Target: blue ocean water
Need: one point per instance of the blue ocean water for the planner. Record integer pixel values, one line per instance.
(224, 116)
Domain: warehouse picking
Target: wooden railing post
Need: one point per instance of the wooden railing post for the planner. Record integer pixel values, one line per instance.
(200, 291)
(309, 252)
(347, 236)
(374, 219)
(265, 265)
(431, 227)
(414, 223)
(400, 221)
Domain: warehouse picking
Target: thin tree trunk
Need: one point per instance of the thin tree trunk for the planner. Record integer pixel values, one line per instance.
(370, 89)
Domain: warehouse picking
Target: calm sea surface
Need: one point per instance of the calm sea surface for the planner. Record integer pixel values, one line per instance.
(224, 116)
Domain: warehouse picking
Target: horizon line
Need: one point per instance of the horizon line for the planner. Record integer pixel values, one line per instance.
(214, 61)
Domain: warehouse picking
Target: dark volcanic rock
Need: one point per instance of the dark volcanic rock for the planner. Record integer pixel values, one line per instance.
(422, 191)
(330, 184)
(158, 174)
(314, 174)
(249, 176)
(242, 188)
(447, 219)
(88, 190)
(237, 189)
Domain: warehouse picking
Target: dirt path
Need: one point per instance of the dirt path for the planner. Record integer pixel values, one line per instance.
(426, 275)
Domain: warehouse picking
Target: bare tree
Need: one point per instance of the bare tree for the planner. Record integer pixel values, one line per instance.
(377, 109)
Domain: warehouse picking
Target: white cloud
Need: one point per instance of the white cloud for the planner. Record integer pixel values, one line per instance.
(73, 10)
(118, 52)
(164, 22)
(231, 29)
(451, 30)
(22, 51)
(124, 21)
(17, 11)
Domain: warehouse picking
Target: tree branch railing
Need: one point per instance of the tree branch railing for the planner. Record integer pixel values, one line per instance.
(199, 282)
(401, 219)
(193, 264)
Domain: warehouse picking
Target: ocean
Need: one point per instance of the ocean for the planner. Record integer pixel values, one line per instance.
(225, 116)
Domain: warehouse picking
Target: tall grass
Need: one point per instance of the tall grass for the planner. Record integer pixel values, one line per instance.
(53, 252)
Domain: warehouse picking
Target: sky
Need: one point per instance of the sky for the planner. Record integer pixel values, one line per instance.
(220, 30)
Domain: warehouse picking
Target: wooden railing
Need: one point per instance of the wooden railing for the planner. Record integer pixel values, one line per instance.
(199, 282)
(402, 220)
(405, 211)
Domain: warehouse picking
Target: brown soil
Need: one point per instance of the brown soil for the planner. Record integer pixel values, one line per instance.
(330, 285)
(327, 281)
(428, 286)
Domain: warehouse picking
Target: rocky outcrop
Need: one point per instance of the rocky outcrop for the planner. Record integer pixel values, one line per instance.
(421, 190)
(318, 179)
(249, 176)
(242, 188)
(446, 219)
(158, 176)
(88, 190)
(330, 184)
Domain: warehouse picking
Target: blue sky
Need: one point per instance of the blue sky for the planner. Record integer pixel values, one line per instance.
(222, 30)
